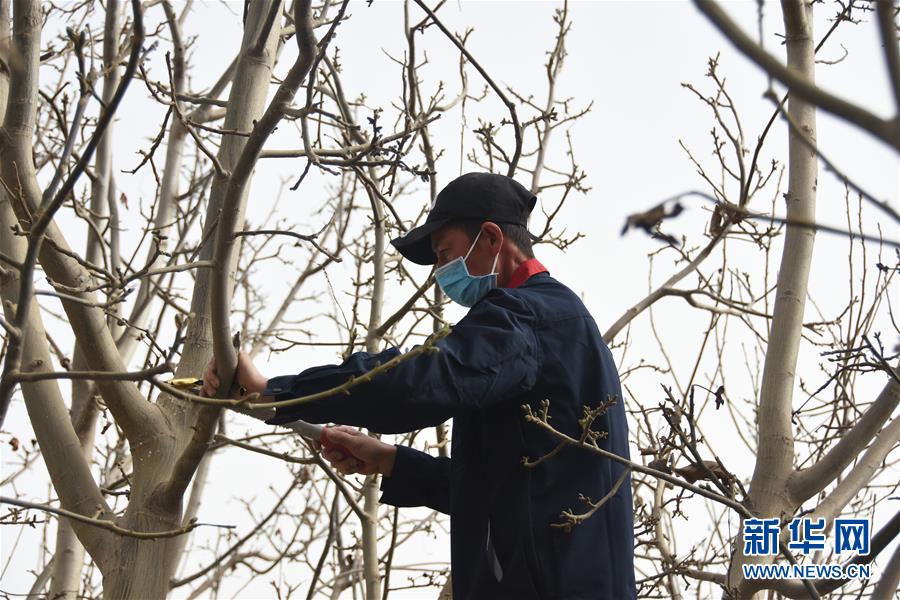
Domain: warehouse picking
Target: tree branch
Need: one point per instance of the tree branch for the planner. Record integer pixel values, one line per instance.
(633, 466)
(279, 455)
(249, 400)
(808, 482)
(517, 128)
(60, 448)
(109, 525)
(185, 580)
(661, 291)
(220, 305)
(382, 329)
(887, 131)
(141, 375)
(231, 211)
(311, 238)
(861, 473)
(888, 30)
(131, 411)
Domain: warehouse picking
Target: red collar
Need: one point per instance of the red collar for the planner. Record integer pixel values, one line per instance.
(528, 268)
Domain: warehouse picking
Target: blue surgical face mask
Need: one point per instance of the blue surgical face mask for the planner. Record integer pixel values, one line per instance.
(459, 285)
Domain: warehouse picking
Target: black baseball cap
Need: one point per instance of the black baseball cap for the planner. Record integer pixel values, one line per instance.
(475, 196)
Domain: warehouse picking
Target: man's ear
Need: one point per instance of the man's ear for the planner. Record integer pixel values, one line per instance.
(491, 232)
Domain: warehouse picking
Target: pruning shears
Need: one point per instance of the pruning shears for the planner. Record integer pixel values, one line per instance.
(194, 384)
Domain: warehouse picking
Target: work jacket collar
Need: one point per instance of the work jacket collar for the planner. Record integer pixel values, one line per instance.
(528, 268)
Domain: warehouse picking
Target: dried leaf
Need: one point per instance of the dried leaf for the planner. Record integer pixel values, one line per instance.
(694, 473)
(660, 464)
(720, 397)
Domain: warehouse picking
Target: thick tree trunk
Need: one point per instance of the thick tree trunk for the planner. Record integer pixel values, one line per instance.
(60, 447)
(769, 490)
(134, 415)
(138, 567)
(65, 570)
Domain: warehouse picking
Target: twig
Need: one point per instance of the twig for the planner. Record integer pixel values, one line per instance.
(280, 455)
(733, 504)
(311, 238)
(573, 519)
(517, 128)
(109, 525)
(426, 348)
(401, 312)
(812, 145)
(84, 96)
(744, 213)
(30, 376)
(218, 560)
(737, 506)
(199, 264)
(217, 165)
(361, 149)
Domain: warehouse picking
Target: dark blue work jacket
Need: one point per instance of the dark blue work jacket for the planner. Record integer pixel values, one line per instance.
(514, 347)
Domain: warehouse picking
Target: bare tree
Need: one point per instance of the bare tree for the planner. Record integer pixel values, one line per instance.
(796, 471)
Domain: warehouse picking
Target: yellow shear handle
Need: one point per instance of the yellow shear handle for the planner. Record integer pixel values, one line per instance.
(191, 382)
(185, 382)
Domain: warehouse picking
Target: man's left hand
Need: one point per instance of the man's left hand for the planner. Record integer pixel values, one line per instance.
(247, 375)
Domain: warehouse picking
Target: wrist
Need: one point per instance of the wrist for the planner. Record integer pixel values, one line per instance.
(259, 384)
(386, 464)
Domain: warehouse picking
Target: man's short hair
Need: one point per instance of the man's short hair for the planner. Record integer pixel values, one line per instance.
(515, 233)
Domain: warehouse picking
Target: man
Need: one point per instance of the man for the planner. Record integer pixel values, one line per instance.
(526, 338)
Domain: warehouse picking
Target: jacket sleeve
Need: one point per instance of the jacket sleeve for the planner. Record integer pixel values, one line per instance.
(418, 479)
(491, 355)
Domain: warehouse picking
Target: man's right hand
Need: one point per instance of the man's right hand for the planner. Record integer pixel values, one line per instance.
(351, 451)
